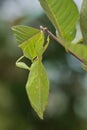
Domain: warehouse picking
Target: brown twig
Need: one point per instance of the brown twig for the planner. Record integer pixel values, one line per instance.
(45, 30)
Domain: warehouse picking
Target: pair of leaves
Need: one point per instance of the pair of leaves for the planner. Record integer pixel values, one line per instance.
(31, 42)
(64, 15)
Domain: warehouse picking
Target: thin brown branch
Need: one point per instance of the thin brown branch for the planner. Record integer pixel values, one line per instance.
(45, 30)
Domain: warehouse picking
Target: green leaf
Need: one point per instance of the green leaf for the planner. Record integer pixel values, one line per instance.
(33, 47)
(83, 20)
(64, 16)
(84, 67)
(79, 50)
(22, 65)
(46, 43)
(31, 41)
(23, 33)
(37, 87)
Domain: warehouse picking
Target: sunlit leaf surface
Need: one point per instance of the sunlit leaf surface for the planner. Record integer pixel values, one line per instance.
(64, 16)
(38, 87)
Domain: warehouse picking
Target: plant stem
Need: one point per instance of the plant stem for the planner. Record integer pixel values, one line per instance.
(45, 30)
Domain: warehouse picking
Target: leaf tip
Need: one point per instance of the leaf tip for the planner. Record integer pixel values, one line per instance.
(40, 115)
(84, 66)
(13, 28)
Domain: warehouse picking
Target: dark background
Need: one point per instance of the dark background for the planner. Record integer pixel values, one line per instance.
(67, 107)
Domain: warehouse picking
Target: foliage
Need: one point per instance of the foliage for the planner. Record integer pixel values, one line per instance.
(65, 17)
(83, 20)
(33, 48)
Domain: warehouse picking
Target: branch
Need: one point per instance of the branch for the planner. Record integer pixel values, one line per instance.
(45, 30)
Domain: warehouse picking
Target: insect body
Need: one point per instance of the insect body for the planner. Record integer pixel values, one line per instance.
(38, 87)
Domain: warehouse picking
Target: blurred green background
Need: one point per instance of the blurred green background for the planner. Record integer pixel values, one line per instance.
(67, 107)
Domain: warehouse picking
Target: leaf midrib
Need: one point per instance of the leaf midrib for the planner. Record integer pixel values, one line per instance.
(56, 20)
(16, 30)
(29, 38)
(40, 88)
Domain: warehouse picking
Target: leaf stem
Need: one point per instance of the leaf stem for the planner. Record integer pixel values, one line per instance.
(45, 30)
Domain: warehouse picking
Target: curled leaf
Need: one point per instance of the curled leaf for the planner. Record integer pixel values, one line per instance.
(22, 65)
